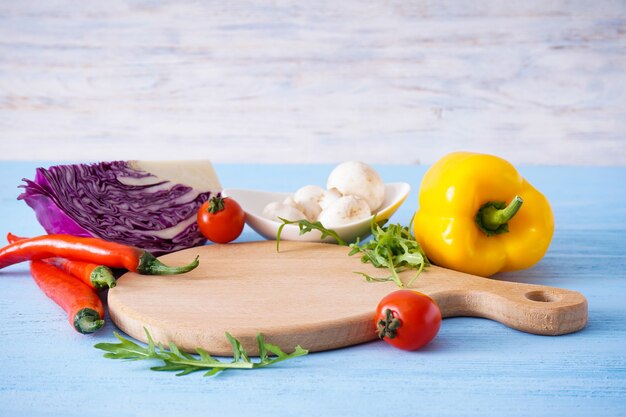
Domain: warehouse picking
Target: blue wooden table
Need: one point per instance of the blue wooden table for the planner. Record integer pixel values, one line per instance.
(473, 367)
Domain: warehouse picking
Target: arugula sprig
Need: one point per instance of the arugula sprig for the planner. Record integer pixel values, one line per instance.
(393, 247)
(306, 226)
(184, 363)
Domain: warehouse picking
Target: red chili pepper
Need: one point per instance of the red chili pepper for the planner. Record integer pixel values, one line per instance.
(96, 276)
(82, 305)
(88, 249)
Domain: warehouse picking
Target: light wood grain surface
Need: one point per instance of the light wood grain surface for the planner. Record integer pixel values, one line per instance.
(309, 295)
(537, 82)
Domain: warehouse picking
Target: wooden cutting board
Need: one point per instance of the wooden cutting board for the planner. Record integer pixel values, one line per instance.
(309, 295)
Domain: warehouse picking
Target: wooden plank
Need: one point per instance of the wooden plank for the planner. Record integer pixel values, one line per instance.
(248, 81)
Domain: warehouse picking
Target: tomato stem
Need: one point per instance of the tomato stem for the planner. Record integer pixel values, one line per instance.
(216, 204)
(388, 327)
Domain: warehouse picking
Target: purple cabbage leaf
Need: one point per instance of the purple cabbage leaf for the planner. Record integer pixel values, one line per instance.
(120, 202)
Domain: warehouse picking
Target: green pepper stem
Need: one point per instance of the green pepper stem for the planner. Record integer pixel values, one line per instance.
(87, 320)
(149, 265)
(493, 217)
(102, 277)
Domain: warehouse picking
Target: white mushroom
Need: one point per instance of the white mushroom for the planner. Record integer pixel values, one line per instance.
(359, 179)
(291, 202)
(329, 197)
(308, 198)
(276, 210)
(346, 209)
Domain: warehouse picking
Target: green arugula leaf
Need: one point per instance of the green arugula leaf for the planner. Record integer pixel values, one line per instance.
(185, 363)
(306, 226)
(393, 247)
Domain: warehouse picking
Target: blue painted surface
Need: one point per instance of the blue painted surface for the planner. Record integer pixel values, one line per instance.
(473, 367)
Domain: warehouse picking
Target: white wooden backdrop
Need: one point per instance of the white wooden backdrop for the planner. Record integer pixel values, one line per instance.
(537, 82)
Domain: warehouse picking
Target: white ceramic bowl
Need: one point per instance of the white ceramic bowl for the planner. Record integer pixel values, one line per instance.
(253, 202)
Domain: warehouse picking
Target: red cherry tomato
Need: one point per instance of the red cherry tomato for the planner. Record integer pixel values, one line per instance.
(407, 319)
(221, 220)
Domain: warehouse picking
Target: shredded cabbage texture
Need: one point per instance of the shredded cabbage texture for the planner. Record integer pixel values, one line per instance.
(116, 202)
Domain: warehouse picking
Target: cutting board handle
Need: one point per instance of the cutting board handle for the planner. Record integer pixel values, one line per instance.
(530, 308)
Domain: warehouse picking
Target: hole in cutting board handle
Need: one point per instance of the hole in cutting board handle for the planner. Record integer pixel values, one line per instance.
(542, 296)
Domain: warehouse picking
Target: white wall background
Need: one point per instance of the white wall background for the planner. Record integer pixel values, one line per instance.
(537, 82)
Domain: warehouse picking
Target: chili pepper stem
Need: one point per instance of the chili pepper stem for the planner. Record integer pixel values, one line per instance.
(102, 277)
(150, 265)
(493, 217)
(87, 320)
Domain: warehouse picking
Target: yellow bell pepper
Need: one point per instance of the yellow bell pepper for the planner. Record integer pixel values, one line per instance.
(478, 215)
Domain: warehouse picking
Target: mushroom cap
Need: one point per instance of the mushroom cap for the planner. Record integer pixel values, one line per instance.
(291, 202)
(329, 197)
(358, 179)
(346, 209)
(276, 209)
(308, 200)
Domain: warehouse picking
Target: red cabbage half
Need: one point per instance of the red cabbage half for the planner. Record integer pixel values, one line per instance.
(150, 205)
